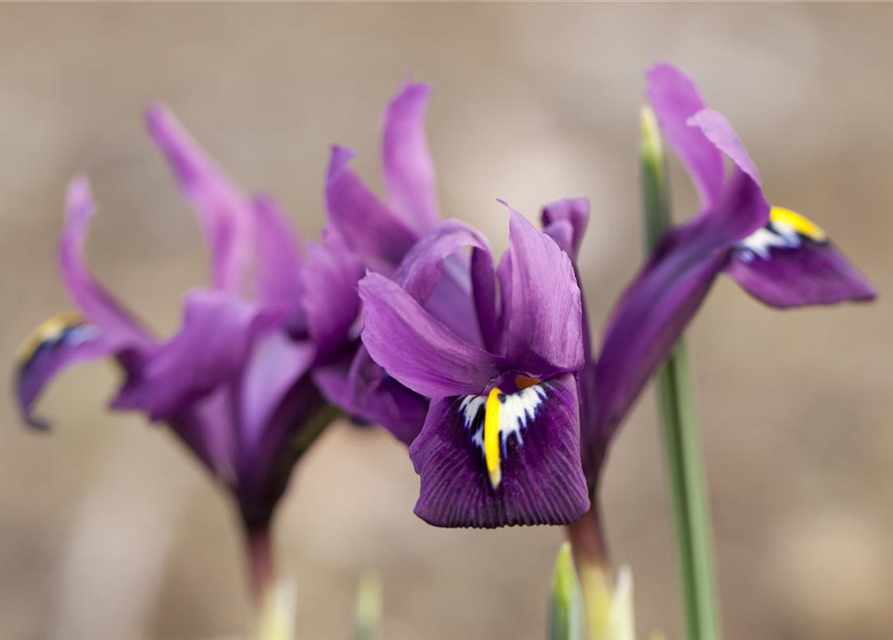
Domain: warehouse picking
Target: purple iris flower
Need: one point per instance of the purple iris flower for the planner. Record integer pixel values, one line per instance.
(500, 442)
(778, 256)
(381, 235)
(234, 383)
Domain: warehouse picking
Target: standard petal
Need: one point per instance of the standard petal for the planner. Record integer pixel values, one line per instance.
(278, 274)
(544, 310)
(573, 211)
(226, 216)
(416, 348)
(366, 225)
(436, 273)
(719, 132)
(791, 263)
(55, 345)
(675, 99)
(209, 350)
(330, 301)
(118, 327)
(537, 446)
(408, 170)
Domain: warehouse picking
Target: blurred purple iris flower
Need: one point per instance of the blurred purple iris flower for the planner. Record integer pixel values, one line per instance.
(500, 442)
(776, 255)
(234, 383)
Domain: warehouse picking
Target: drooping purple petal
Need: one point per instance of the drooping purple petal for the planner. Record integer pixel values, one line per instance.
(675, 99)
(573, 211)
(408, 170)
(210, 349)
(416, 348)
(807, 273)
(365, 224)
(330, 301)
(541, 480)
(58, 343)
(226, 216)
(544, 310)
(278, 264)
(119, 329)
(363, 390)
(655, 309)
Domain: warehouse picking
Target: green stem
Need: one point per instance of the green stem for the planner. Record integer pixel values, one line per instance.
(684, 461)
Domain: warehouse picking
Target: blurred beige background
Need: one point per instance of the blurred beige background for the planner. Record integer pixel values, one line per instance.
(108, 530)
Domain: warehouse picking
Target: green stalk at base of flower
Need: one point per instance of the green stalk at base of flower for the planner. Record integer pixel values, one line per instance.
(369, 608)
(687, 484)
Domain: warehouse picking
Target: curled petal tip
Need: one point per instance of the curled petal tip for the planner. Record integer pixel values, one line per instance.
(78, 197)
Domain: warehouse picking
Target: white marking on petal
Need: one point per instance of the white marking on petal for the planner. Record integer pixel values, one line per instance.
(518, 410)
(774, 235)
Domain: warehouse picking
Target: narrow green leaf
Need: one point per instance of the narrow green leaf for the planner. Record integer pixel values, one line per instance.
(565, 600)
(681, 440)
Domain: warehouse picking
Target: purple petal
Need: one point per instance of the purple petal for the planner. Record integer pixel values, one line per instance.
(675, 99)
(655, 309)
(544, 309)
(330, 301)
(364, 391)
(785, 268)
(366, 225)
(278, 275)
(719, 132)
(408, 170)
(275, 365)
(483, 288)
(210, 350)
(436, 273)
(417, 349)
(58, 343)
(118, 327)
(225, 214)
(541, 481)
(572, 211)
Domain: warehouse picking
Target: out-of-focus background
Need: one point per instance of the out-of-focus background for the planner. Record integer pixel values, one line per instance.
(109, 530)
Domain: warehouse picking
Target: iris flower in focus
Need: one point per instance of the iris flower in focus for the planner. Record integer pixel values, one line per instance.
(500, 443)
(234, 382)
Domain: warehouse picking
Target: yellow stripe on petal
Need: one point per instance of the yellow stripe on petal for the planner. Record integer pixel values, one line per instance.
(802, 225)
(492, 420)
(47, 331)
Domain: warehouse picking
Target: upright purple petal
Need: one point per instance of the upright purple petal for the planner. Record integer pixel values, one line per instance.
(655, 309)
(675, 99)
(210, 349)
(436, 273)
(544, 313)
(278, 264)
(226, 216)
(58, 343)
(719, 132)
(330, 302)
(408, 170)
(416, 348)
(540, 476)
(118, 327)
(483, 288)
(366, 225)
(791, 263)
(572, 211)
